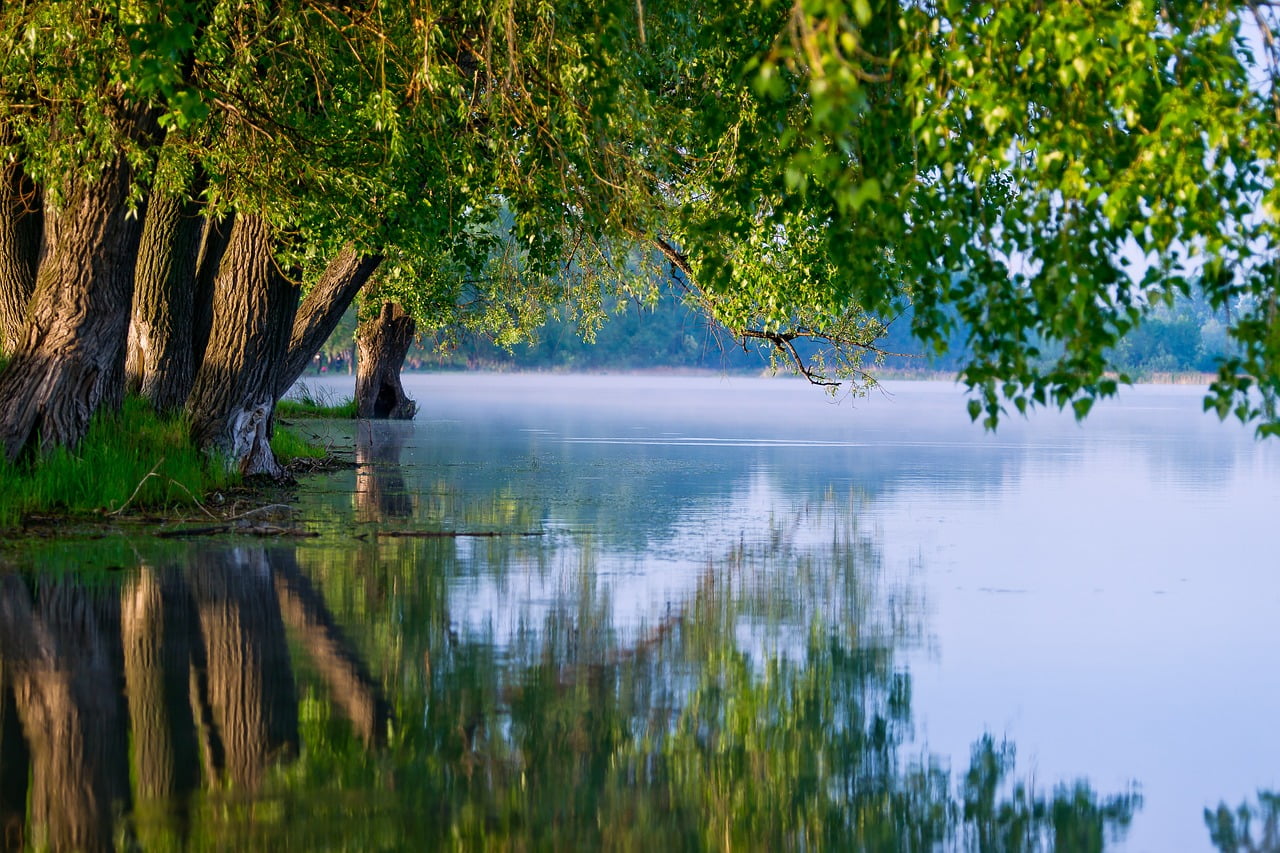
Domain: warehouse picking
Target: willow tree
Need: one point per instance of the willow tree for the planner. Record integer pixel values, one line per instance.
(803, 171)
(91, 100)
(1034, 177)
(1039, 176)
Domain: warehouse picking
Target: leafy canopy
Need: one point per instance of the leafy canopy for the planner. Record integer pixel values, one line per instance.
(1035, 177)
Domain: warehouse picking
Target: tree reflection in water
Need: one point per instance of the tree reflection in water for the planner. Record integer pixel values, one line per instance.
(573, 734)
(1233, 830)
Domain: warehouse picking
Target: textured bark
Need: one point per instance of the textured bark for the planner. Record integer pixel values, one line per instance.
(21, 224)
(156, 613)
(161, 360)
(380, 487)
(252, 703)
(381, 345)
(235, 391)
(71, 350)
(214, 240)
(322, 309)
(349, 683)
(67, 694)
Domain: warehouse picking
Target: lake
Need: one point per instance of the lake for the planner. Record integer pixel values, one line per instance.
(559, 612)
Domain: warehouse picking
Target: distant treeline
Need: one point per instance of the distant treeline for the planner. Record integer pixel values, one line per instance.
(1185, 337)
(669, 334)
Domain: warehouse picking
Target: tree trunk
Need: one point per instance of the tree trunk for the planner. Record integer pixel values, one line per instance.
(252, 702)
(71, 350)
(322, 310)
(381, 345)
(161, 360)
(213, 245)
(235, 391)
(21, 224)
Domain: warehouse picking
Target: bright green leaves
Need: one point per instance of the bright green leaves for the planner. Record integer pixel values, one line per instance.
(162, 42)
(1049, 136)
(1036, 174)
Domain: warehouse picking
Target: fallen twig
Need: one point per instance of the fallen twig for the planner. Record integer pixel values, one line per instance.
(240, 529)
(138, 488)
(257, 510)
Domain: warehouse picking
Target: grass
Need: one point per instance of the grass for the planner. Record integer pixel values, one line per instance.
(132, 458)
(307, 403)
(288, 445)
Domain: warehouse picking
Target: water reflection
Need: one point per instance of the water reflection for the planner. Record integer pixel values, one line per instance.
(61, 667)
(380, 491)
(208, 693)
(737, 719)
(1249, 828)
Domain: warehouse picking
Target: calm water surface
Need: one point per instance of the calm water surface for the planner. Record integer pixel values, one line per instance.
(635, 612)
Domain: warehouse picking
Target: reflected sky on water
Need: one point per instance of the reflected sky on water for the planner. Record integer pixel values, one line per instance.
(675, 612)
(1102, 594)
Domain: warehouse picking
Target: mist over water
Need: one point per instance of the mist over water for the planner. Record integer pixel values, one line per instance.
(660, 612)
(1101, 594)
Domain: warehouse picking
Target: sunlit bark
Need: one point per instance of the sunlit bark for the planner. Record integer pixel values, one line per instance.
(21, 224)
(381, 346)
(235, 391)
(161, 359)
(70, 353)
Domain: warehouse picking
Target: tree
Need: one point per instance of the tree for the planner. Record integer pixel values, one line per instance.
(235, 392)
(21, 225)
(382, 342)
(803, 172)
(162, 355)
(1079, 162)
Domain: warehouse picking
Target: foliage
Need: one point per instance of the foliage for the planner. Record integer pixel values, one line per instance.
(631, 335)
(1039, 178)
(288, 445)
(132, 458)
(1034, 148)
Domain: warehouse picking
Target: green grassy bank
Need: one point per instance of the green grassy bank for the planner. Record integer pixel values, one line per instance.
(132, 459)
(310, 403)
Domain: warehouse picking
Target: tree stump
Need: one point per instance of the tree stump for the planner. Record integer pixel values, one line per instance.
(381, 346)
